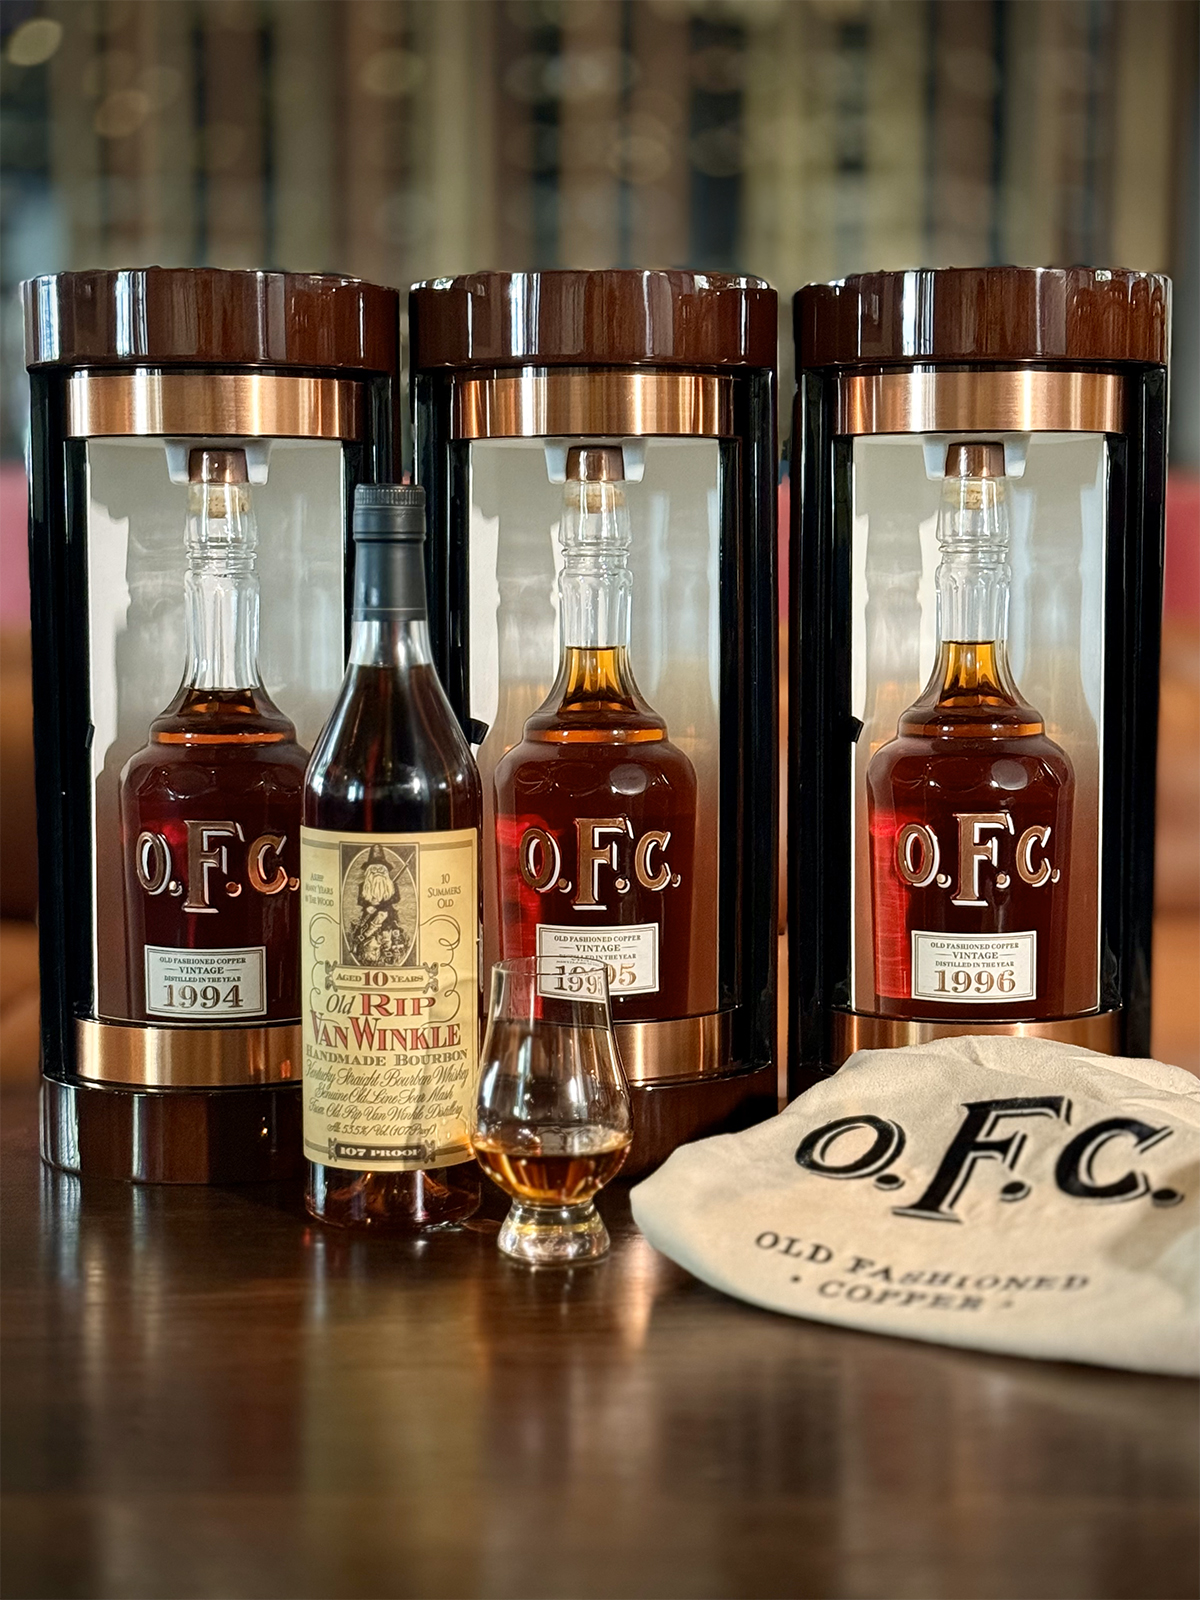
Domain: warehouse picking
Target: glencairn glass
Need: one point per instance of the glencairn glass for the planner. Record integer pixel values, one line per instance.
(552, 1121)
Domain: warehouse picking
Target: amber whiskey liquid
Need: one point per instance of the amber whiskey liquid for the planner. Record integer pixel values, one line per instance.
(210, 807)
(970, 805)
(390, 960)
(561, 1172)
(596, 808)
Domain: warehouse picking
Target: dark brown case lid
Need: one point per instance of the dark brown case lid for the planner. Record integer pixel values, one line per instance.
(985, 315)
(613, 318)
(204, 316)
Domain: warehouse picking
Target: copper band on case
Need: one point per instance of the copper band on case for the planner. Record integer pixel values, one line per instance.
(683, 1047)
(984, 400)
(854, 1031)
(186, 1058)
(605, 403)
(242, 405)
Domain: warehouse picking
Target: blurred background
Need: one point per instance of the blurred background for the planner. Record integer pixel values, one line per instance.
(797, 139)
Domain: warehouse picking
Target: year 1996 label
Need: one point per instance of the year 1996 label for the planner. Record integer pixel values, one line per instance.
(974, 968)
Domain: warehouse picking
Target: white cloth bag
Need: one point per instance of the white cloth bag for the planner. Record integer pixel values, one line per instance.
(1000, 1193)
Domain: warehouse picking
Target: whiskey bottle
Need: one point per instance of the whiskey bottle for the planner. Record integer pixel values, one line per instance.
(210, 807)
(390, 944)
(970, 805)
(596, 808)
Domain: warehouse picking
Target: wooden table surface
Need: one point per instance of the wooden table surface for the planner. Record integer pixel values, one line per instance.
(206, 1396)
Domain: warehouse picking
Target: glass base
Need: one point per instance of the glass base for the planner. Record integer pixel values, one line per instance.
(553, 1235)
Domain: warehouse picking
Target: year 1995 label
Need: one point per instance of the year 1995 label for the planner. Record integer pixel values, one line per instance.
(629, 951)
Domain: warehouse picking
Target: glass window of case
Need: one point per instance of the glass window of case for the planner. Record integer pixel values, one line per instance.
(977, 677)
(667, 495)
(255, 595)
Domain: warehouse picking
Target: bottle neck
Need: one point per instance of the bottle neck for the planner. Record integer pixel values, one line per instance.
(595, 586)
(221, 588)
(967, 669)
(972, 684)
(588, 675)
(390, 616)
(974, 577)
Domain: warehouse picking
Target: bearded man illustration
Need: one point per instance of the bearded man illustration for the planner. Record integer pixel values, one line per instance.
(376, 933)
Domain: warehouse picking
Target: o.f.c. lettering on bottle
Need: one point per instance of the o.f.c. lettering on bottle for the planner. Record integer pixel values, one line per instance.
(211, 867)
(973, 869)
(982, 843)
(608, 858)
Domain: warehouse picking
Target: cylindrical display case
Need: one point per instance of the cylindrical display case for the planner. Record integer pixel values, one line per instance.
(195, 441)
(977, 531)
(598, 449)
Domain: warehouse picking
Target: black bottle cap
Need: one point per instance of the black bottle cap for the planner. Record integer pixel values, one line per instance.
(389, 511)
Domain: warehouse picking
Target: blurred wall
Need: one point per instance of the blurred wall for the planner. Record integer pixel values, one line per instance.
(397, 139)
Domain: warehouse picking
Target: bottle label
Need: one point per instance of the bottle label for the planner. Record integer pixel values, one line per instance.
(968, 968)
(630, 952)
(194, 985)
(390, 981)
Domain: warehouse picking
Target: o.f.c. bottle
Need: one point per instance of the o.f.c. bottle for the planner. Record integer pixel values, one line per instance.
(596, 808)
(970, 805)
(210, 807)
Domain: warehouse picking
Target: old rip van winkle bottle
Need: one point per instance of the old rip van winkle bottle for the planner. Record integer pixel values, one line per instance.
(390, 943)
(970, 804)
(596, 808)
(210, 807)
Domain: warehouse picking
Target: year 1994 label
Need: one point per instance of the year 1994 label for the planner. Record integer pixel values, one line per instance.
(196, 985)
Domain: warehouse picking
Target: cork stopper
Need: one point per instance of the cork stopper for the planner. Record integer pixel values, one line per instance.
(595, 463)
(975, 458)
(217, 466)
